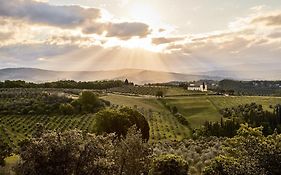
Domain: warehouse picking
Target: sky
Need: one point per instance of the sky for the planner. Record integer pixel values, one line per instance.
(183, 36)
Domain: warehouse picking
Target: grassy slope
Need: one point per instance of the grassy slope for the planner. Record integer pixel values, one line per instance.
(223, 102)
(162, 123)
(197, 109)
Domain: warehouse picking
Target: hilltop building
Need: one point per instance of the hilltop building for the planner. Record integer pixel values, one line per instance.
(193, 87)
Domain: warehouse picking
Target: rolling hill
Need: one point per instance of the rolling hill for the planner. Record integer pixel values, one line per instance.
(138, 76)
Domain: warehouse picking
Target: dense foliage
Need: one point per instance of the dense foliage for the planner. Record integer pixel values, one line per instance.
(250, 87)
(197, 153)
(120, 120)
(250, 152)
(39, 101)
(72, 153)
(226, 128)
(87, 102)
(69, 84)
(169, 164)
(23, 101)
(253, 114)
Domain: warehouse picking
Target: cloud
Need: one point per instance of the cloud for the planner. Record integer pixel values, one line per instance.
(275, 35)
(271, 20)
(126, 30)
(165, 40)
(6, 36)
(43, 13)
(30, 52)
(123, 30)
(70, 17)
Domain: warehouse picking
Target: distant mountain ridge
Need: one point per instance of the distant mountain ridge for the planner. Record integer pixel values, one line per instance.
(138, 76)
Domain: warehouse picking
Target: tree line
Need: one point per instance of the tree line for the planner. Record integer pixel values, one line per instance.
(252, 114)
(260, 88)
(50, 103)
(69, 84)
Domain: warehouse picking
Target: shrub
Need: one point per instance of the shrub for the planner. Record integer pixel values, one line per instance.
(169, 164)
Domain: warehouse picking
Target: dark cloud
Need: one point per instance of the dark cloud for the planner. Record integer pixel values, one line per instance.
(70, 17)
(124, 30)
(97, 28)
(272, 20)
(40, 12)
(127, 30)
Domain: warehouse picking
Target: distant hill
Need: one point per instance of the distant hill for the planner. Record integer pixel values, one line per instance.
(138, 76)
(253, 71)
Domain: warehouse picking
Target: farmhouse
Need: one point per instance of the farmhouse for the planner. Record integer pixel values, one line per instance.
(194, 87)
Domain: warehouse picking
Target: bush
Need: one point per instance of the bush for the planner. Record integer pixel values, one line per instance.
(67, 109)
(169, 164)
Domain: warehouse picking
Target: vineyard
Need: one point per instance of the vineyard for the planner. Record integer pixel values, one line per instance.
(138, 90)
(152, 90)
(14, 128)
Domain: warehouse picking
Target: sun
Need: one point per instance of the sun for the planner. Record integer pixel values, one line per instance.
(145, 13)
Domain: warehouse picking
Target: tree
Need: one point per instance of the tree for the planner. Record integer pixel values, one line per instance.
(169, 164)
(248, 153)
(119, 121)
(5, 151)
(67, 153)
(87, 102)
(75, 153)
(67, 109)
(126, 82)
(133, 155)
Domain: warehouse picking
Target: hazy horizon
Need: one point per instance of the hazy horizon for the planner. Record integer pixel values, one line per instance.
(179, 36)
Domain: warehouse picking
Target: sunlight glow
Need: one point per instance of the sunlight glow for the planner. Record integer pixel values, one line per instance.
(141, 11)
(135, 43)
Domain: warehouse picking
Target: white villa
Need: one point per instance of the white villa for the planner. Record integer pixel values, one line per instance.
(193, 87)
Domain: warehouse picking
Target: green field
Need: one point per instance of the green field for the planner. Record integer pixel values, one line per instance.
(223, 102)
(196, 109)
